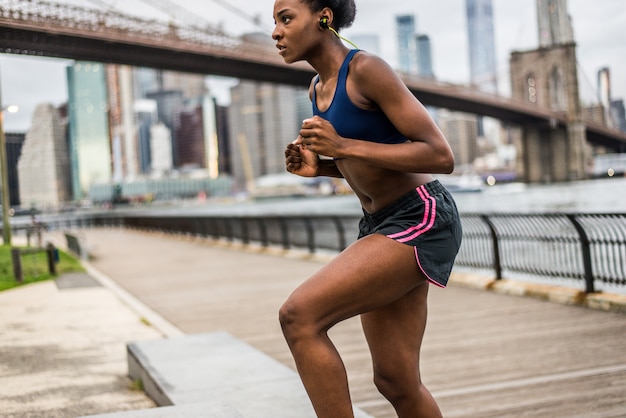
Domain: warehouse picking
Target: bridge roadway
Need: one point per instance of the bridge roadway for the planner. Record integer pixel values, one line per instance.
(56, 30)
(484, 354)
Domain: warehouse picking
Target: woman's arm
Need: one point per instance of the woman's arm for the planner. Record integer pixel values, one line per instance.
(373, 84)
(304, 162)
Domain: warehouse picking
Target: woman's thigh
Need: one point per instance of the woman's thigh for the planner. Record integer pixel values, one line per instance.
(394, 334)
(373, 272)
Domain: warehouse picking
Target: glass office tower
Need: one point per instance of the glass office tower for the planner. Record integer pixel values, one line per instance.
(482, 48)
(407, 48)
(89, 139)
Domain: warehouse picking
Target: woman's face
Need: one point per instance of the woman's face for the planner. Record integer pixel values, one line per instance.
(296, 29)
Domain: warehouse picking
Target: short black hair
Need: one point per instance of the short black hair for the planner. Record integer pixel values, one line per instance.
(344, 11)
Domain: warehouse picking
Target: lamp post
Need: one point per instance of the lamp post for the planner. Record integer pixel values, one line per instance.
(6, 200)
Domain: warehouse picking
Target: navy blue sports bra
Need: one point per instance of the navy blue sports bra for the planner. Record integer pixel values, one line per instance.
(353, 122)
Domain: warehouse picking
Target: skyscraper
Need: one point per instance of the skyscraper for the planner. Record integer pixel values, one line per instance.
(424, 56)
(44, 166)
(604, 93)
(258, 137)
(90, 148)
(553, 23)
(407, 48)
(482, 48)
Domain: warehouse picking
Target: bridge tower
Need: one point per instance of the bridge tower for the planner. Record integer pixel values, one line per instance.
(547, 77)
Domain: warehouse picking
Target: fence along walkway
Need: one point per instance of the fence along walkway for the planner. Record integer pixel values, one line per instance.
(484, 354)
(588, 248)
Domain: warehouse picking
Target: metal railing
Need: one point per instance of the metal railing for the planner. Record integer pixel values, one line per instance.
(589, 248)
(586, 247)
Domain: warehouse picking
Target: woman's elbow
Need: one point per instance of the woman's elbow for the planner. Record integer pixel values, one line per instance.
(449, 164)
(446, 162)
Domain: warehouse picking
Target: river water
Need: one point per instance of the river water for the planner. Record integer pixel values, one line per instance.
(596, 196)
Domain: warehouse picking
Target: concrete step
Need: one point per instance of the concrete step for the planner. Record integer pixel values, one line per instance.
(217, 372)
(200, 410)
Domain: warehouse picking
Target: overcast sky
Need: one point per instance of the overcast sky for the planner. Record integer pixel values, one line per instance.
(599, 30)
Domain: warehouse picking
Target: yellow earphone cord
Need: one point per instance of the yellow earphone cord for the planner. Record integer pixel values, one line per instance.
(342, 38)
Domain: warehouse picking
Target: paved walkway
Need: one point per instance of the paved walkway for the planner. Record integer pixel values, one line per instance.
(484, 355)
(63, 352)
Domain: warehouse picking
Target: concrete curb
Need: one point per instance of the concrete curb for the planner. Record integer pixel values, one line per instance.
(151, 317)
(608, 302)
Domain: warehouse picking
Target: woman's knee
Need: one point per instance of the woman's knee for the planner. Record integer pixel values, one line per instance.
(295, 320)
(397, 384)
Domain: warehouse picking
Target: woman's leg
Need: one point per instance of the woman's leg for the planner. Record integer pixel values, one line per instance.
(372, 273)
(394, 334)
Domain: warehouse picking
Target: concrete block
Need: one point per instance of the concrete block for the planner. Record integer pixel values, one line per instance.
(215, 368)
(472, 281)
(200, 410)
(606, 302)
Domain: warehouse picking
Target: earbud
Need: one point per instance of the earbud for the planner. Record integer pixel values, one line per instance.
(324, 25)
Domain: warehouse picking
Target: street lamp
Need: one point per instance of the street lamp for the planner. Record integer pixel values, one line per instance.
(6, 203)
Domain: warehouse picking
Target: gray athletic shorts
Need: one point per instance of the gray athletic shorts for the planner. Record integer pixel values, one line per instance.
(426, 219)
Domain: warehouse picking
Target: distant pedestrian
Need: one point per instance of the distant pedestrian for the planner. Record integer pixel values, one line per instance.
(380, 138)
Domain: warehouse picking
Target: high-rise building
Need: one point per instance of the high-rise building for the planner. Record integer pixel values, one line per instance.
(461, 132)
(263, 119)
(90, 147)
(482, 59)
(14, 143)
(190, 139)
(618, 114)
(222, 137)
(161, 158)
(482, 48)
(407, 48)
(44, 166)
(170, 104)
(553, 23)
(180, 101)
(122, 122)
(424, 57)
(604, 93)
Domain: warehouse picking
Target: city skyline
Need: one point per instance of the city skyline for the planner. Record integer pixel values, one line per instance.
(597, 28)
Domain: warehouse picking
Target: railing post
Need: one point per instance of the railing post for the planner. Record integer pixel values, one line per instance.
(284, 232)
(230, 234)
(245, 236)
(496, 246)
(263, 231)
(17, 264)
(50, 251)
(586, 253)
(341, 233)
(310, 233)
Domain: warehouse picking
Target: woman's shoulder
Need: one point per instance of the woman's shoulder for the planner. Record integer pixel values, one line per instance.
(367, 64)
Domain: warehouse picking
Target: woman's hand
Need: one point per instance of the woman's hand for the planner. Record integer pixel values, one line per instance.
(319, 135)
(300, 160)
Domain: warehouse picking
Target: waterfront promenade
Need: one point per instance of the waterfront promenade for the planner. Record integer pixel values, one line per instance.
(484, 354)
